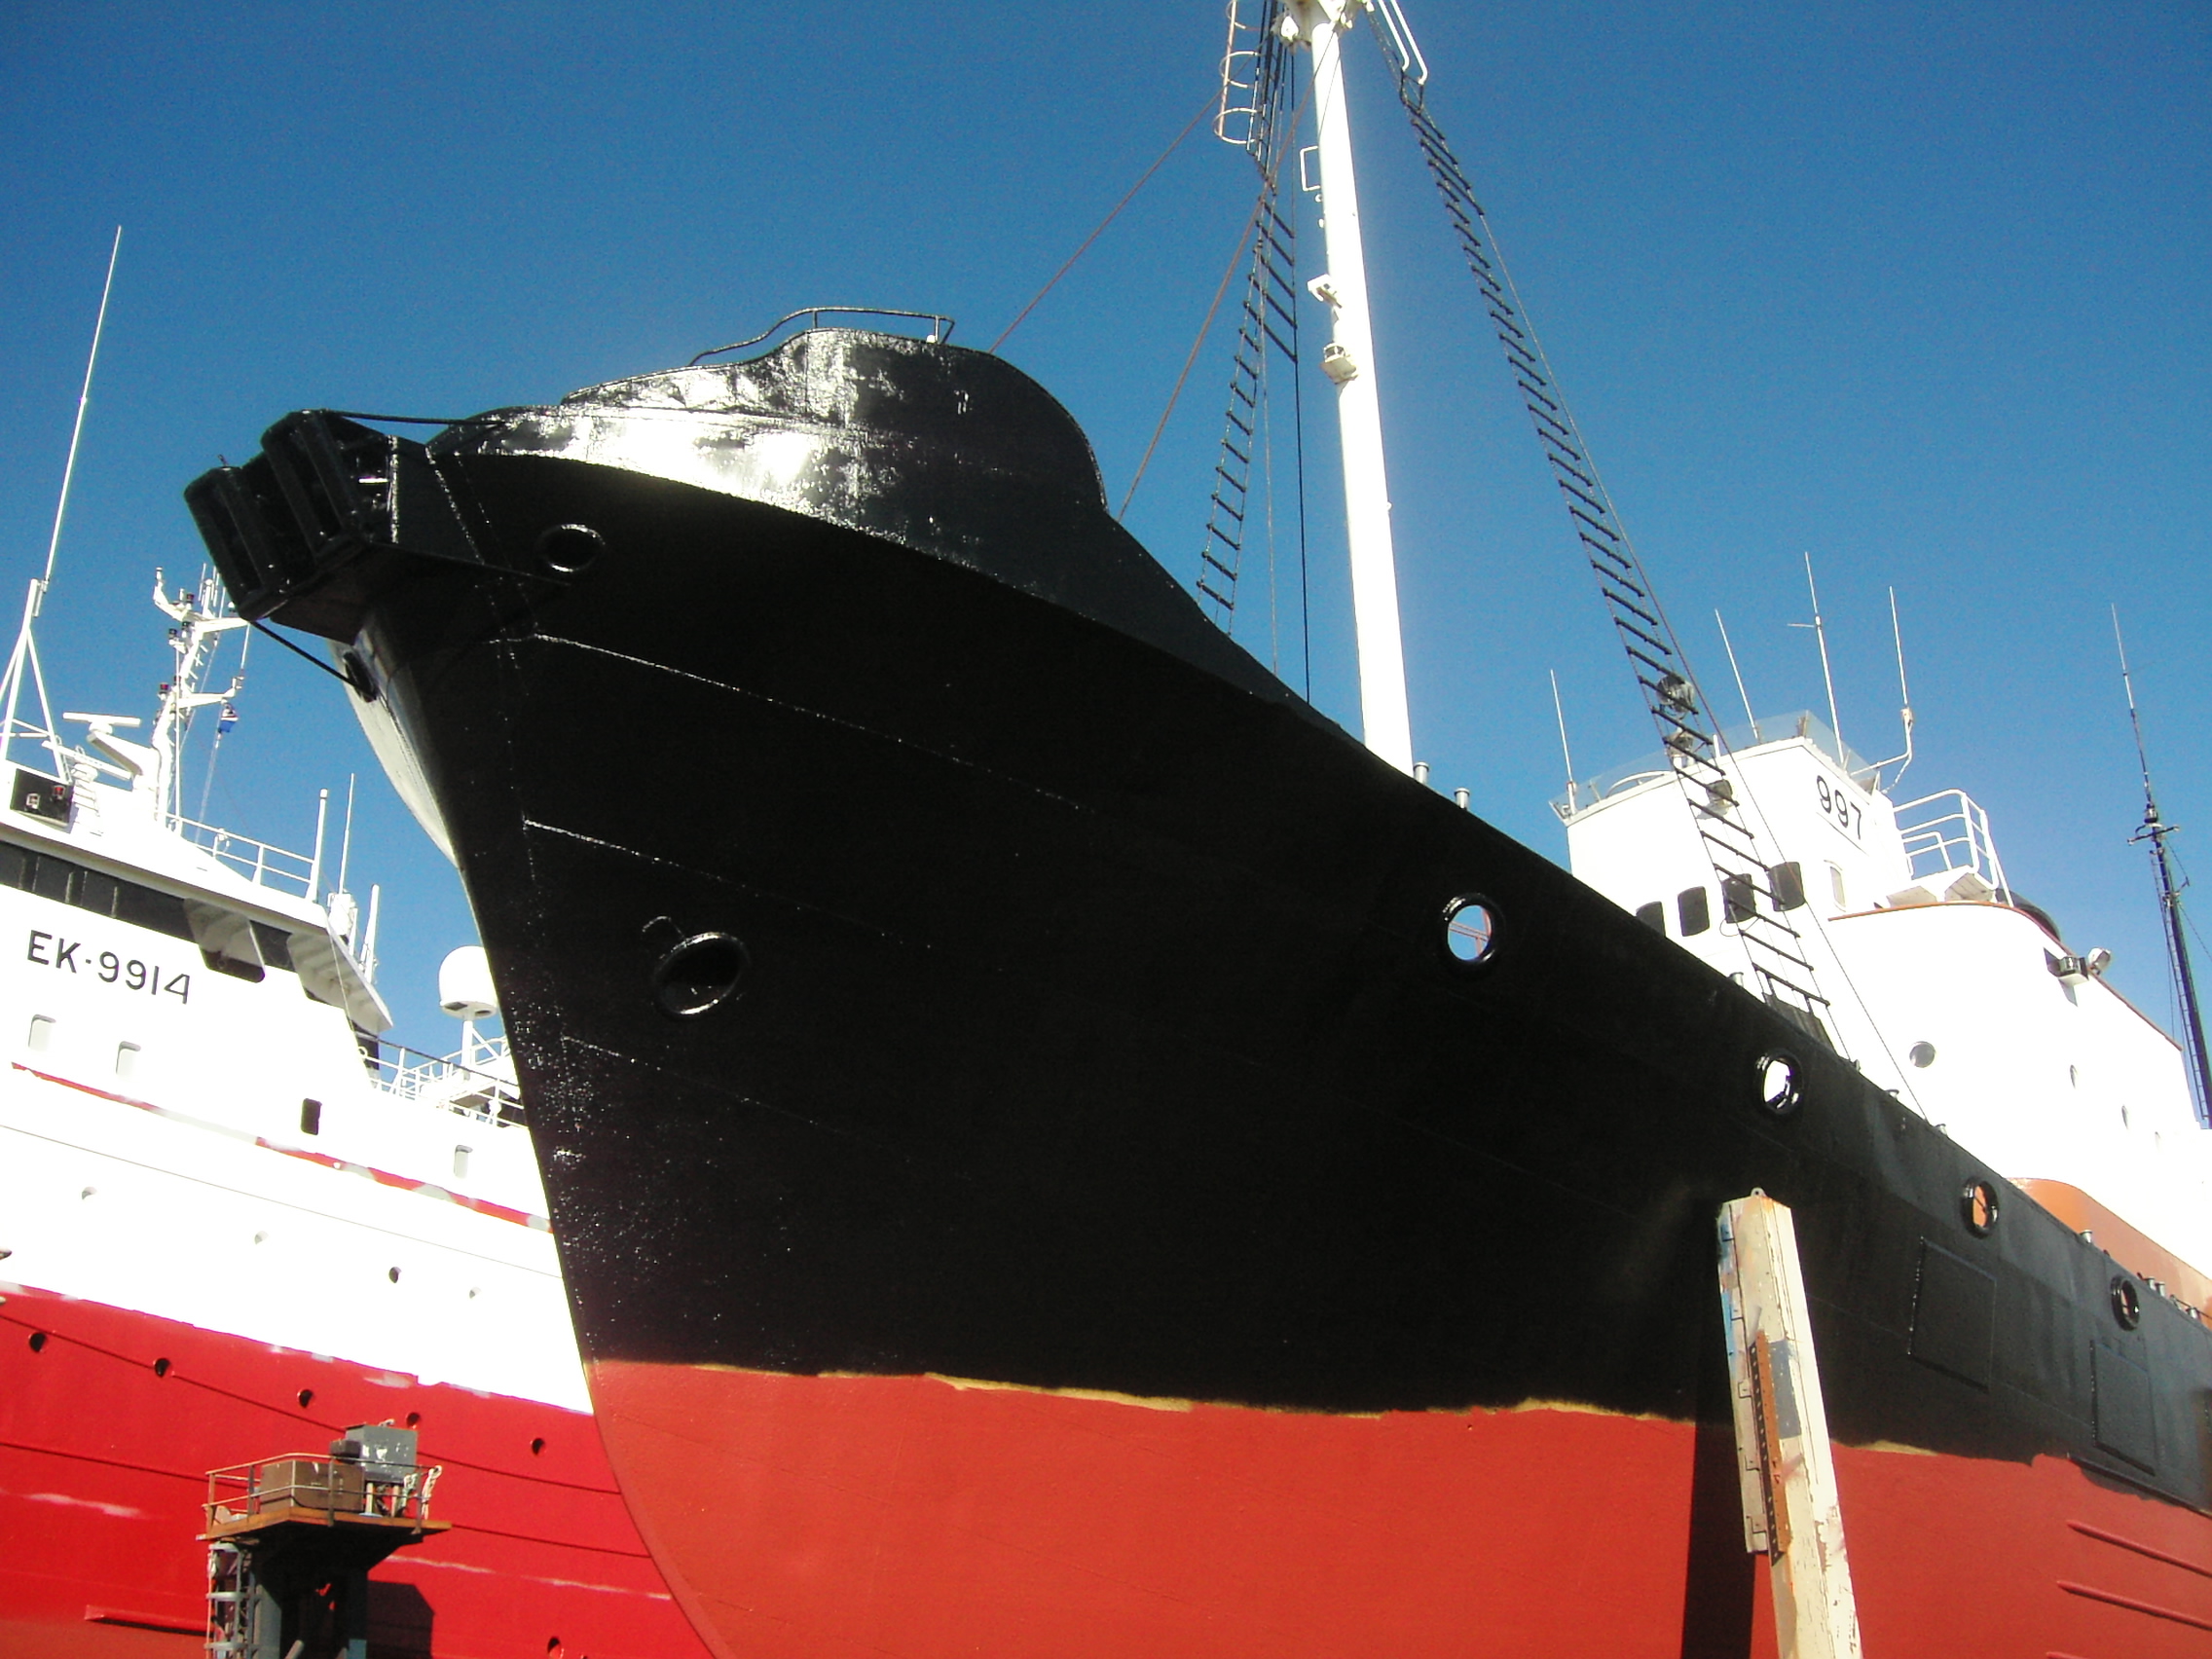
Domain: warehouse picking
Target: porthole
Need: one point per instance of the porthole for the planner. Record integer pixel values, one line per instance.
(537, 1446)
(1977, 1205)
(414, 1419)
(392, 1273)
(2126, 1303)
(1781, 1092)
(1471, 930)
(38, 1341)
(1922, 1054)
(160, 1368)
(568, 549)
(700, 973)
(305, 1397)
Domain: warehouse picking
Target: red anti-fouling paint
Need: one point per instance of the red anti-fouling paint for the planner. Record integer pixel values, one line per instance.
(103, 1462)
(917, 1517)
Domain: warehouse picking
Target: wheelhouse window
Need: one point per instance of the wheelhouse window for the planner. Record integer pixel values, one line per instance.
(1737, 903)
(1786, 883)
(1693, 907)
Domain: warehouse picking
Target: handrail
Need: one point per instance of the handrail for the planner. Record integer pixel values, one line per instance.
(817, 314)
(446, 1082)
(1957, 838)
(297, 1482)
(262, 863)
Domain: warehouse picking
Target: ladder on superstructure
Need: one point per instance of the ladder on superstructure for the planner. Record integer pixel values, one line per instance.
(1687, 733)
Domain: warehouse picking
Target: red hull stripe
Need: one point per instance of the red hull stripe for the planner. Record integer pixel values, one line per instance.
(103, 1471)
(383, 1177)
(915, 1518)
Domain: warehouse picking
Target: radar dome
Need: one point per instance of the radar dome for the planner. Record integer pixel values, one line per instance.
(464, 984)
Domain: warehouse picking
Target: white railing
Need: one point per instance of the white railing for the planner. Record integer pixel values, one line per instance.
(1948, 830)
(260, 863)
(458, 1083)
(1734, 741)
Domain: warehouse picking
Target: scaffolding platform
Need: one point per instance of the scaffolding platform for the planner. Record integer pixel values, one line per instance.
(291, 1540)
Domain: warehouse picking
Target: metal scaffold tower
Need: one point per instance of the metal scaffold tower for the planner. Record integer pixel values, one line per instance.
(291, 1541)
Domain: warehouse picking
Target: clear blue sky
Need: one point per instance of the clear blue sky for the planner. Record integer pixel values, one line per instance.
(1921, 289)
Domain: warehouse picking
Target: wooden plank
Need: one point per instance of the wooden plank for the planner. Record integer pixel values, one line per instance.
(1786, 1469)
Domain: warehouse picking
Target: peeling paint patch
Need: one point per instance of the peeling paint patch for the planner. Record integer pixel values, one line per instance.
(114, 1511)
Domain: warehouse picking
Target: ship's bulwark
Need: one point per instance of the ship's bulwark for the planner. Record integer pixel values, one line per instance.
(1096, 1034)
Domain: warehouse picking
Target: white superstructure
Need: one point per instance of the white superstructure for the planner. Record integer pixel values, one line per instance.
(1944, 988)
(197, 1117)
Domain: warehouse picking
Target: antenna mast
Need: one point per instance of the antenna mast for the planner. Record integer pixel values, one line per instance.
(84, 397)
(26, 649)
(1820, 633)
(1565, 754)
(1729, 645)
(2155, 829)
(1904, 699)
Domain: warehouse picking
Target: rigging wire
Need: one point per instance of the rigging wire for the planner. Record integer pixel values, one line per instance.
(1674, 696)
(1175, 144)
(306, 656)
(1305, 596)
(1228, 276)
(1268, 503)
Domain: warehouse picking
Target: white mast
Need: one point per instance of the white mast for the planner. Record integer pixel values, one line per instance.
(1349, 361)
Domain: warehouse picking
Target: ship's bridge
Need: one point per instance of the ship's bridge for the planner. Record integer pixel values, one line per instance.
(1945, 986)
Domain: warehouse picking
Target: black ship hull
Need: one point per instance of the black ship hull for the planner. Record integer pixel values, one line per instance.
(932, 952)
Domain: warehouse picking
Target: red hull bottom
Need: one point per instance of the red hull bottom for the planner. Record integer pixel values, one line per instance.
(908, 1516)
(103, 1471)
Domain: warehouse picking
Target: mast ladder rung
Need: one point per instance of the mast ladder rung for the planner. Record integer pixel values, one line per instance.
(1250, 116)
